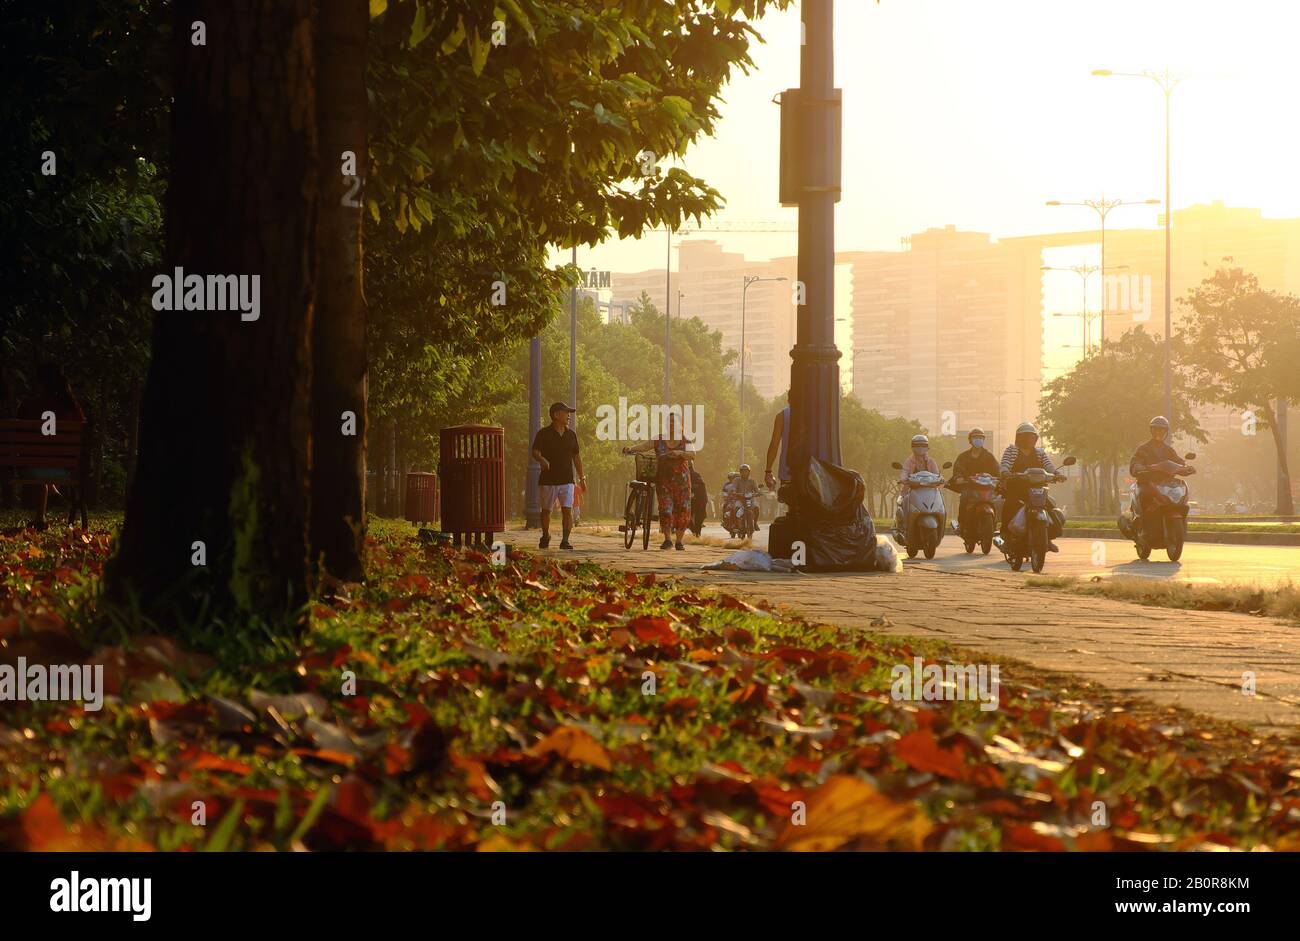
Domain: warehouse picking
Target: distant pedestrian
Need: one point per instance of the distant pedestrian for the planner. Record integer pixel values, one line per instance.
(555, 448)
(673, 488)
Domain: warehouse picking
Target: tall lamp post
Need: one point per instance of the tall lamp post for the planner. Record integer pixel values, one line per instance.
(1083, 271)
(748, 279)
(1167, 84)
(532, 498)
(1103, 207)
(668, 306)
(814, 371)
(811, 121)
(573, 343)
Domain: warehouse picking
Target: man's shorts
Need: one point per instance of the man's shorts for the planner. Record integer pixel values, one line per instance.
(550, 493)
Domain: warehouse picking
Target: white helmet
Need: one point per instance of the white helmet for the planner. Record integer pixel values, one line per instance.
(920, 441)
(1027, 428)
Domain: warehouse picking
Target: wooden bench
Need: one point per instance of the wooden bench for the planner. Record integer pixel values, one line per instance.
(22, 447)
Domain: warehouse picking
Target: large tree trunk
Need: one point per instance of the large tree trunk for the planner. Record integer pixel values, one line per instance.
(338, 475)
(225, 437)
(1285, 505)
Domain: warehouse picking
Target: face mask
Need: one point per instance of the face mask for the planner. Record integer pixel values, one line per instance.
(977, 442)
(920, 452)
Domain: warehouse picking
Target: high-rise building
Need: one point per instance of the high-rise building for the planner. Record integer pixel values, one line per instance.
(948, 332)
(711, 282)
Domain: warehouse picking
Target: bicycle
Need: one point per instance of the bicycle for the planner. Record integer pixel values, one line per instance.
(638, 512)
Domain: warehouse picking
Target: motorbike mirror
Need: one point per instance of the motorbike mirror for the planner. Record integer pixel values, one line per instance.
(1189, 456)
(896, 466)
(1068, 461)
(947, 464)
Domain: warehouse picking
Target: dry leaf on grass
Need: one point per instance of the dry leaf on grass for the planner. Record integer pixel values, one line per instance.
(847, 810)
(573, 744)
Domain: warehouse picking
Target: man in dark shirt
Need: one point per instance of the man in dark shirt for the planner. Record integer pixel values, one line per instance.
(975, 460)
(555, 448)
(1152, 452)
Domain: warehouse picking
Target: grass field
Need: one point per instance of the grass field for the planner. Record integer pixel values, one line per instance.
(450, 703)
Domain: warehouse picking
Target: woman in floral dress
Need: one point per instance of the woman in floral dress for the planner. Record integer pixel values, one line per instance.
(673, 487)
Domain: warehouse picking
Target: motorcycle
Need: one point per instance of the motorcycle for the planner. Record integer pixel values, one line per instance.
(979, 491)
(1164, 523)
(740, 514)
(1035, 523)
(921, 517)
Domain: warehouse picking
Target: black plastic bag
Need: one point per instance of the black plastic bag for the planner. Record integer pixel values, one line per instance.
(831, 522)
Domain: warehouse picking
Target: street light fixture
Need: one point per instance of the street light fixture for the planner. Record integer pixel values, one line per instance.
(1103, 207)
(1167, 84)
(748, 279)
(1083, 271)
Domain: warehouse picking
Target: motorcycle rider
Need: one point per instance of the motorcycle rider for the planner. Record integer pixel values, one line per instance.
(744, 486)
(918, 460)
(1021, 456)
(975, 460)
(1150, 453)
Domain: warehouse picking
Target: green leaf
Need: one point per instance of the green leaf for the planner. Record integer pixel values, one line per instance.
(519, 16)
(310, 817)
(453, 41)
(226, 829)
(420, 27)
(478, 52)
(377, 7)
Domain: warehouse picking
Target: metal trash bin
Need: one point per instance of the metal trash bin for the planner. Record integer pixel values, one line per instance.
(421, 497)
(472, 471)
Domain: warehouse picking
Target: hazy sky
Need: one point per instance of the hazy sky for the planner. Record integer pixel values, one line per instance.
(974, 112)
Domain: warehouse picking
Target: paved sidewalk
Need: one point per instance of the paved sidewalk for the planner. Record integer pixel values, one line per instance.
(1192, 659)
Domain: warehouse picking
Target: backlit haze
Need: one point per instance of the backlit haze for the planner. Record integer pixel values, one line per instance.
(975, 113)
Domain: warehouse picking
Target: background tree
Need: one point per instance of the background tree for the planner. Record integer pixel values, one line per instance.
(338, 465)
(1099, 410)
(1241, 346)
(80, 208)
(500, 133)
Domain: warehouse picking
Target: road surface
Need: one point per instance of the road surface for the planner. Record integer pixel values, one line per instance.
(1202, 562)
(1197, 660)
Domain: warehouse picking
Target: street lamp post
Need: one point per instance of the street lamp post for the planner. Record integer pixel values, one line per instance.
(532, 498)
(1083, 271)
(748, 279)
(1103, 207)
(573, 343)
(811, 120)
(668, 279)
(1167, 84)
(1085, 325)
(814, 372)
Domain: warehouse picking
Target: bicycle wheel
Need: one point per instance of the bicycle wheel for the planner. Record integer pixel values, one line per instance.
(647, 515)
(631, 513)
